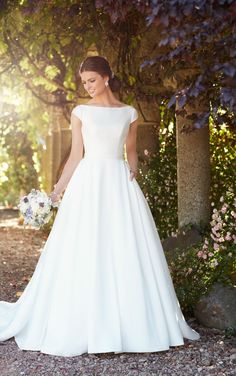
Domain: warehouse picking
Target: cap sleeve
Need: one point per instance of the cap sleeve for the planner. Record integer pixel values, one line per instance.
(134, 114)
(77, 112)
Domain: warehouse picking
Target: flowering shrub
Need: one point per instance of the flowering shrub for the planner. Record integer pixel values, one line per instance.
(220, 247)
(197, 268)
(223, 160)
(158, 178)
(191, 276)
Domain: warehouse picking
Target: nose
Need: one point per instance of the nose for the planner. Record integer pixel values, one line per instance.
(88, 87)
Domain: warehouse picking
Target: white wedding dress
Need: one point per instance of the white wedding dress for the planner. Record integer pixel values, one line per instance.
(101, 283)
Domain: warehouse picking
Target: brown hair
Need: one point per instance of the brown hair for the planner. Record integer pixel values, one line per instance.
(101, 66)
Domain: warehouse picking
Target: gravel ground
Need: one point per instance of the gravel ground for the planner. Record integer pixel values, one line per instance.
(213, 354)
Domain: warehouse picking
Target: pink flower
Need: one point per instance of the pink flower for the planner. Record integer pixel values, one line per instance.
(210, 254)
(221, 239)
(227, 236)
(214, 230)
(200, 254)
(204, 256)
(189, 271)
(224, 208)
(217, 227)
(216, 246)
(213, 237)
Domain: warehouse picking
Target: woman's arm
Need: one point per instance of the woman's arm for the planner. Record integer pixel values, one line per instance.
(131, 149)
(76, 154)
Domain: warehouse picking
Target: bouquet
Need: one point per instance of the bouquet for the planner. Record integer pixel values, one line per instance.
(36, 208)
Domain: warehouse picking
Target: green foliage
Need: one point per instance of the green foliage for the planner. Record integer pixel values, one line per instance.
(23, 126)
(158, 178)
(19, 173)
(230, 331)
(223, 160)
(41, 47)
(45, 42)
(197, 268)
(187, 52)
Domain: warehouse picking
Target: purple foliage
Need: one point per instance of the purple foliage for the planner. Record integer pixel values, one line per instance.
(195, 34)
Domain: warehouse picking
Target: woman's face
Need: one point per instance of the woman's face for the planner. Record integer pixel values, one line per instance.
(93, 83)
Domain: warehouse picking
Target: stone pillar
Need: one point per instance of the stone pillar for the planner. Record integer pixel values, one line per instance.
(56, 155)
(193, 174)
(148, 130)
(47, 165)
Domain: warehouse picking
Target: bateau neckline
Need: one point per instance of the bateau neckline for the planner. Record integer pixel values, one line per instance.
(94, 105)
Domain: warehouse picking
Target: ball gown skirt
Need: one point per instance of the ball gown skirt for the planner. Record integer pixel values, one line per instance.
(101, 283)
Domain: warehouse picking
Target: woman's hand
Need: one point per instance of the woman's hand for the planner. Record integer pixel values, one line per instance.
(133, 174)
(54, 196)
(132, 157)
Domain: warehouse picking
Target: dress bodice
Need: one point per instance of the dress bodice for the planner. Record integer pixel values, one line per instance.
(104, 129)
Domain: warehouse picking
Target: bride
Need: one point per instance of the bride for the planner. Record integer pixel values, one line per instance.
(102, 283)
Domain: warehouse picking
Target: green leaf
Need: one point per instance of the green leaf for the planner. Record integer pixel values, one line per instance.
(51, 71)
(3, 47)
(132, 80)
(65, 41)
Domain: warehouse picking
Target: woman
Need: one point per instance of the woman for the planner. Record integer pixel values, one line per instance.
(102, 283)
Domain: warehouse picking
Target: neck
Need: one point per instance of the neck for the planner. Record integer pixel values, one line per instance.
(106, 98)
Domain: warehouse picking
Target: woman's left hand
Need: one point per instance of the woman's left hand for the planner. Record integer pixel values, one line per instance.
(133, 175)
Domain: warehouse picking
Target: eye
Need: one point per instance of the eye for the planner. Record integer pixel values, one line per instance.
(92, 80)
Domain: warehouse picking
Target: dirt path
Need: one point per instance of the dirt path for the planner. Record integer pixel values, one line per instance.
(214, 354)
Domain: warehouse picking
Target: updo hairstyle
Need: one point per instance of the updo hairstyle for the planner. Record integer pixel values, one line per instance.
(101, 66)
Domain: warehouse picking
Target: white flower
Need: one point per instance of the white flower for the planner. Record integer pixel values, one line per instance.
(24, 204)
(36, 208)
(214, 263)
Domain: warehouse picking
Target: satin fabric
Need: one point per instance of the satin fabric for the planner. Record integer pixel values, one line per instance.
(101, 283)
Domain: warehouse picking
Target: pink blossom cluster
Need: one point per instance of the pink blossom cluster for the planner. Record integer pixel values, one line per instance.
(223, 232)
(205, 253)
